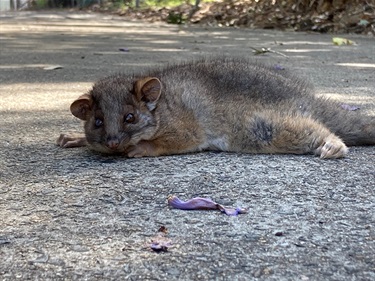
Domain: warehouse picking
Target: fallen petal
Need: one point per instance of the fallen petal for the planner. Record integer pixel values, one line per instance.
(203, 204)
(349, 107)
(160, 245)
(232, 211)
(278, 67)
(192, 204)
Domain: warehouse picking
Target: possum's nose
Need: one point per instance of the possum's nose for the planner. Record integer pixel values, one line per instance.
(112, 142)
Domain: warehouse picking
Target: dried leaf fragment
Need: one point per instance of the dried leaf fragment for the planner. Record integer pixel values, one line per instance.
(342, 41)
(266, 50)
(163, 229)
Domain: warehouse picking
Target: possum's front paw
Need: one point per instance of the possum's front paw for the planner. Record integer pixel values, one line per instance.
(141, 149)
(332, 147)
(68, 141)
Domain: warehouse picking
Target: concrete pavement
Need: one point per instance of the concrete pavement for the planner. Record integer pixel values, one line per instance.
(76, 215)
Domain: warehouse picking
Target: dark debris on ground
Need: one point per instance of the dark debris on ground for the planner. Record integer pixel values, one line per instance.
(325, 16)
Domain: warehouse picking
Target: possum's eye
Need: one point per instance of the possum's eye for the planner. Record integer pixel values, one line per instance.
(98, 122)
(129, 118)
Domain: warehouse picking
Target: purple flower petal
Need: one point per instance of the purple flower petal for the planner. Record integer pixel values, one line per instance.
(203, 204)
(192, 204)
(278, 67)
(232, 211)
(349, 107)
(160, 246)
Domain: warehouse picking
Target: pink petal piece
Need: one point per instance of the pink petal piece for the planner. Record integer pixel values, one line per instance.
(199, 203)
(349, 107)
(160, 246)
(192, 204)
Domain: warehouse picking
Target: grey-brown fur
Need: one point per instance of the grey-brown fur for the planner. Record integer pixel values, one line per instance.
(218, 104)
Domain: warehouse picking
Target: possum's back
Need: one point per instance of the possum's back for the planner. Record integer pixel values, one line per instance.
(224, 78)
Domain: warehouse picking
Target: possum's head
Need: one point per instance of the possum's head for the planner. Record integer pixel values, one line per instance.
(119, 112)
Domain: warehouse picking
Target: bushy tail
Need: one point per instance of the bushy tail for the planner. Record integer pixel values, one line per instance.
(352, 127)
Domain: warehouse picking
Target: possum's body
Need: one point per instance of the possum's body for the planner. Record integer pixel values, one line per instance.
(225, 105)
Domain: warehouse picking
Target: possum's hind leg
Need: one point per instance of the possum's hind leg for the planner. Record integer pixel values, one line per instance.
(276, 133)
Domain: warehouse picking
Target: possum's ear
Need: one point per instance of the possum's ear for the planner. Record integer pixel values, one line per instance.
(81, 107)
(148, 90)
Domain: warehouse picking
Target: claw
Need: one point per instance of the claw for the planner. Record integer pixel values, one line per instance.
(333, 147)
(69, 141)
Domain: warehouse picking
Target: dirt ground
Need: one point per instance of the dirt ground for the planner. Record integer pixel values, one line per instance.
(70, 214)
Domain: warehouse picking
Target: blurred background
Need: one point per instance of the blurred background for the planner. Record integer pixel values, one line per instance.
(344, 16)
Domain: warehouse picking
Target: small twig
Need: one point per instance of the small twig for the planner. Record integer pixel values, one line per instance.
(266, 50)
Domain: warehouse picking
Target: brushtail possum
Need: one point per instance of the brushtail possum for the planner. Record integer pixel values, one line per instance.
(214, 104)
